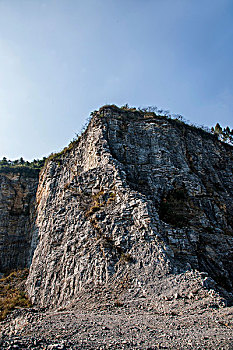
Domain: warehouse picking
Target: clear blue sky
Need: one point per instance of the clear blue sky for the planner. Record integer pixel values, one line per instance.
(61, 59)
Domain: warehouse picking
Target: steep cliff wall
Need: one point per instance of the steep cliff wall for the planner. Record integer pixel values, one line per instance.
(134, 200)
(17, 214)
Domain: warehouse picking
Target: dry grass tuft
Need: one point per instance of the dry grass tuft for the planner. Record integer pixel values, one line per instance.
(12, 293)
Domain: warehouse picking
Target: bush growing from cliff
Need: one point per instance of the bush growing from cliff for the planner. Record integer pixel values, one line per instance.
(223, 134)
(58, 156)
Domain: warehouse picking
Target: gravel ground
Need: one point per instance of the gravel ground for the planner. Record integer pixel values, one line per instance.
(179, 324)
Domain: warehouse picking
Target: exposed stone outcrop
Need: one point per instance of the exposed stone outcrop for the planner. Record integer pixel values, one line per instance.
(134, 200)
(17, 214)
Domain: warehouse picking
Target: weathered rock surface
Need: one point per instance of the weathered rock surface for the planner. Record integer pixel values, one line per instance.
(17, 215)
(133, 201)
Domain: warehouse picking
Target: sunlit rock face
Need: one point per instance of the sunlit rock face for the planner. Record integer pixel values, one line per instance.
(17, 215)
(133, 201)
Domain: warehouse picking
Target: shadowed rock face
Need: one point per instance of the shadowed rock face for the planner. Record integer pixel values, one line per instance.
(17, 215)
(133, 201)
(186, 177)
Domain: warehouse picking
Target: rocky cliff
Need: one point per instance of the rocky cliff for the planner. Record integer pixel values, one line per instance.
(17, 215)
(136, 201)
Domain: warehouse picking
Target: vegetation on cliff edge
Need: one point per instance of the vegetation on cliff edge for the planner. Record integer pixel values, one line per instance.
(21, 166)
(222, 134)
(34, 167)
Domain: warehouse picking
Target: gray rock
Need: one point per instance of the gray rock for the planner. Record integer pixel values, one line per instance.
(17, 216)
(134, 201)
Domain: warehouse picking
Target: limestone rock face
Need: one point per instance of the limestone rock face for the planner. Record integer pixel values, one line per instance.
(17, 215)
(134, 200)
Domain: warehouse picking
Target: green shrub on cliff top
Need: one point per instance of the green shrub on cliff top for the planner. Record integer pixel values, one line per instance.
(20, 165)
